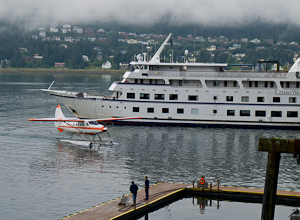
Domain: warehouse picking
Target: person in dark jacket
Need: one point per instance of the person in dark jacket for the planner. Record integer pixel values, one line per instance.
(147, 187)
(133, 189)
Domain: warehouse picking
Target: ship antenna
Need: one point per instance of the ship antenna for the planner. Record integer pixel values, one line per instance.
(156, 57)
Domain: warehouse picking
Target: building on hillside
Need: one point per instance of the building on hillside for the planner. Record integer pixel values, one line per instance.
(212, 48)
(106, 65)
(124, 65)
(101, 31)
(53, 29)
(37, 57)
(57, 38)
(69, 39)
(255, 41)
(85, 58)
(77, 30)
(62, 65)
(131, 41)
(42, 34)
(269, 41)
(244, 40)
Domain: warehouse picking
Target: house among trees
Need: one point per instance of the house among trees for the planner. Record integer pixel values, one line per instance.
(124, 65)
(59, 65)
(106, 65)
(77, 30)
(101, 31)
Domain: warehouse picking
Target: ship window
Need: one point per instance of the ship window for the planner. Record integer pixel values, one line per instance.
(297, 84)
(260, 99)
(144, 96)
(215, 111)
(266, 84)
(130, 95)
(225, 83)
(230, 112)
(135, 109)
(276, 113)
(276, 99)
(215, 98)
(216, 83)
(229, 98)
(271, 84)
(195, 111)
(287, 84)
(193, 98)
(292, 114)
(165, 110)
(244, 112)
(235, 84)
(256, 83)
(245, 98)
(150, 110)
(292, 99)
(173, 97)
(281, 83)
(180, 111)
(260, 113)
(159, 96)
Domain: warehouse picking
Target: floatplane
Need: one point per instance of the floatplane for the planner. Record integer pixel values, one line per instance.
(83, 127)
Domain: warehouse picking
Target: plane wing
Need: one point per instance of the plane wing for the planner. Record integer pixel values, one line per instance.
(81, 120)
(57, 119)
(116, 119)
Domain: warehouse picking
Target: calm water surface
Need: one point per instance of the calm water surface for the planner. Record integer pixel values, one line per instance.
(44, 178)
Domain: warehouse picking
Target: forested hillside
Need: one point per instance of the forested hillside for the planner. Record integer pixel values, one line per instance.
(88, 46)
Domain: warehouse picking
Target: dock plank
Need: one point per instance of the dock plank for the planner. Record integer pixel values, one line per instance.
(111, 210)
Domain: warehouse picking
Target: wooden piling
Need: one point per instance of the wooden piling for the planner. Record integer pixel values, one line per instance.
(274, 147)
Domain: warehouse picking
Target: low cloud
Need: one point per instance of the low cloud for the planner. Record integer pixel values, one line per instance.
(202, 12)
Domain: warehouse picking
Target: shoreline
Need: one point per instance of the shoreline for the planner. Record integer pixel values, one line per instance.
(64, 71)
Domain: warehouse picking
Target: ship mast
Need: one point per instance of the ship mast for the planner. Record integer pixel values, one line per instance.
(156, 57)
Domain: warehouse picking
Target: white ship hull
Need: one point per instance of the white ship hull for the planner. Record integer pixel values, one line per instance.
(194, 94)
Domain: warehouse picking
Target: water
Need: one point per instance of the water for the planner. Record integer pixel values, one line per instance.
(44, 178)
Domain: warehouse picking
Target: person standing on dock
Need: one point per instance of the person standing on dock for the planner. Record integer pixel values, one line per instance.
(133, 189)
(147, 187)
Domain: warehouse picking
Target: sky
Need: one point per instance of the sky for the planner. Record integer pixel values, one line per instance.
(143, 12)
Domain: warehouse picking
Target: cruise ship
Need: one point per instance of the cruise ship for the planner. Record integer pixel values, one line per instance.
(194, 94)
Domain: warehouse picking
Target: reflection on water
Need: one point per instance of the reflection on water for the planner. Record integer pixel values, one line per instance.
(42, 176)
(202, 208)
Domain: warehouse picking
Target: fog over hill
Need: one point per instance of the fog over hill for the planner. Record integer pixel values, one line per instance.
(147, 13)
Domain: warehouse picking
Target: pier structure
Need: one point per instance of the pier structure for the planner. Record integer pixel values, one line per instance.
(162, 194)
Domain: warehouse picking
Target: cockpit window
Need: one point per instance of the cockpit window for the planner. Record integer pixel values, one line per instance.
(93, 122)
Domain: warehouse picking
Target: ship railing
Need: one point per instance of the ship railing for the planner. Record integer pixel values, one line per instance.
(98, 95)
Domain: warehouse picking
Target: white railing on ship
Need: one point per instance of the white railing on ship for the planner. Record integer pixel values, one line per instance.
(98, 95)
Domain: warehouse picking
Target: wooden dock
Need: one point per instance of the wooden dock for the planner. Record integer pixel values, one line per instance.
(165, 193)
(159, 194)
(246, 194)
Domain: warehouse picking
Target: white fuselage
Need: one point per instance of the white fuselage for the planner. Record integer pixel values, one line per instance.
(81, 127)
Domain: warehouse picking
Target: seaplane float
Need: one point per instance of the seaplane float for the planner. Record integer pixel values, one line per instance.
(88, 130)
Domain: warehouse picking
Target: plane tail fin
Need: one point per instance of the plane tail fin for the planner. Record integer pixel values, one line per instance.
(59, 115)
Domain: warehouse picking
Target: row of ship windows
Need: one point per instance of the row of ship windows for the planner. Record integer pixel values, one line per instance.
(230, 112)
(195, 97)
(219, 83)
